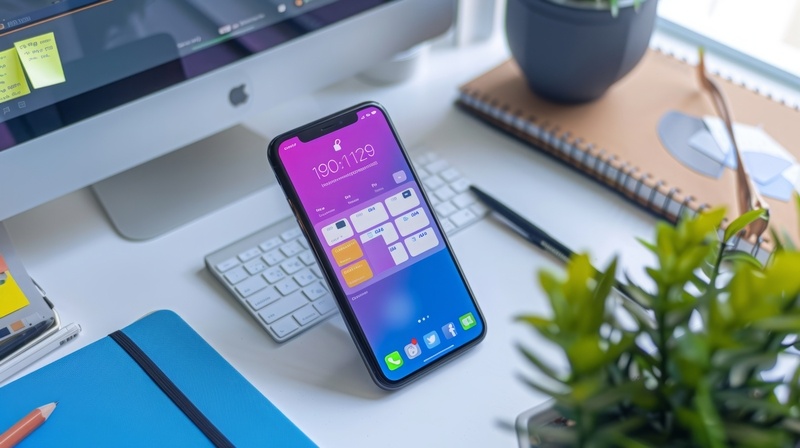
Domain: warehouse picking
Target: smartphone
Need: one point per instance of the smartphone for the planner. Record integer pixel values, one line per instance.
(393, 273)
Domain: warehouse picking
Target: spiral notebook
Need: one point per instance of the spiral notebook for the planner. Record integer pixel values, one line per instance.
(651, 138)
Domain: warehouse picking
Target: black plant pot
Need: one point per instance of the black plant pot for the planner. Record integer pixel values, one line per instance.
(571, 52)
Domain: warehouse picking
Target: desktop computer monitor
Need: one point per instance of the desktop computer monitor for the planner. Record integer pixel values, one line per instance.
(90, 89)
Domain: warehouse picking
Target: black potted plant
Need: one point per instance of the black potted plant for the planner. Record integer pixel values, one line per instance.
(696, 369)
(572, 51)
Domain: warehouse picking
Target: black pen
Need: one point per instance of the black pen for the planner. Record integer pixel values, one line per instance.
(525, 228)
(544, 241)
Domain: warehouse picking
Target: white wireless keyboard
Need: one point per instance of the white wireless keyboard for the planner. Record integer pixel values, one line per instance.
(275, 276)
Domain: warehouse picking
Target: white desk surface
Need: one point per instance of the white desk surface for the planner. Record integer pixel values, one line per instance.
(318, 380)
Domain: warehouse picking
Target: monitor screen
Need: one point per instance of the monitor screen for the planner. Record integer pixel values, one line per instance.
(65, 61)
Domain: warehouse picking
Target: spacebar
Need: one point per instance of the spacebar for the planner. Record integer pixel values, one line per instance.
(282, 307)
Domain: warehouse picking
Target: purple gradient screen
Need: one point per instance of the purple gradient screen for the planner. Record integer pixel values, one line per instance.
(381, 240)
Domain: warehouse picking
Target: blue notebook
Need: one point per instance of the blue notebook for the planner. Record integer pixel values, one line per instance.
(106, 398)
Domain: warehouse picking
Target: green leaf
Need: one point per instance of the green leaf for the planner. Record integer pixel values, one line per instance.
(560, 396)
(648, 245)
(750, 435)
(612, 396)
(776, 239)
(737, 400)
(742, 222)
(713, 430)
(615, 433)
(607, 281)
(539, 364)
(783, 324)
(738, 256)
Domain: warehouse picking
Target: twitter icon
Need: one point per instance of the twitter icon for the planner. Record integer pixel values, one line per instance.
(431, 339)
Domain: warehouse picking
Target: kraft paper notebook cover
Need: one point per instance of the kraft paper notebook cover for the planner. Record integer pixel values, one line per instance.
(617, 140)
(106, 399)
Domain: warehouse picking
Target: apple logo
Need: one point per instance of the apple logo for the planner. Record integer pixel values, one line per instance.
(238, 95)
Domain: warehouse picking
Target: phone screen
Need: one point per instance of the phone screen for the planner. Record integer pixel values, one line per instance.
(382, 243)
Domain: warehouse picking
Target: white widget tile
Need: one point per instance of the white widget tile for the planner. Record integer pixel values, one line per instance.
(369, 217)
(337, 232)
(402, 202)
(422, 242)
(387, 231)
(399, 254)
(412, 221)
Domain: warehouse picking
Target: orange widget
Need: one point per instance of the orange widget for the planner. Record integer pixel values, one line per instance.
(357, 273)
(347, 252)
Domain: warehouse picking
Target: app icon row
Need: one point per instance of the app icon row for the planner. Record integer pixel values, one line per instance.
(431, 340)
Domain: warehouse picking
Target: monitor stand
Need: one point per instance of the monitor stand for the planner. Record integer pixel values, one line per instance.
(161, 195)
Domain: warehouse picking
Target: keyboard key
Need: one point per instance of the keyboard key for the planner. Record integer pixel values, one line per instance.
(272, 243)
(255, 266)
(325, 305)
(272, 275)
(284, 326)
(447, 225)
(433, 182)
(287, 286)
(437, 166)
(316, 270)
(445, 209)
(464, 200)
(249, 254)
(461, 185)
(236, 275)
(291, 234)
(308, 258)
(479, 209)
(444, 193)
(463, 217)
(228, 264)
(263, 298)
(273, 257)
(292, 265)
(251, 286)
(292, 248)
(450, 174)
(306, 315)
(315, 291)
(303, 242)
(304, 277)
(421, 172)
(282, 307)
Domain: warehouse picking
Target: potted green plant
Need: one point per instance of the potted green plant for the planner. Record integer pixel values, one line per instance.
(696, 369)
(572, 51)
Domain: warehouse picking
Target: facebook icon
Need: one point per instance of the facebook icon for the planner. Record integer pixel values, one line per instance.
(449, 330)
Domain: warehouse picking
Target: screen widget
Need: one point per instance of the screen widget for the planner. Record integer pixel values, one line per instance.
(369, 217)
(357, 273)
(347, 252)
(337, 232)
(402, 202)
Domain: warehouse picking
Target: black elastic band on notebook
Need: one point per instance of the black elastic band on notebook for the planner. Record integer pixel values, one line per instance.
(171, 390)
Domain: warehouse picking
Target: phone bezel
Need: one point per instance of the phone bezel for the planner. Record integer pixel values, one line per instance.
(317, 129)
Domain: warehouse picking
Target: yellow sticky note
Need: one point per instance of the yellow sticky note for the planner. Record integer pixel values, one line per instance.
(12, 77)
(11, 296)
(40, 58)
